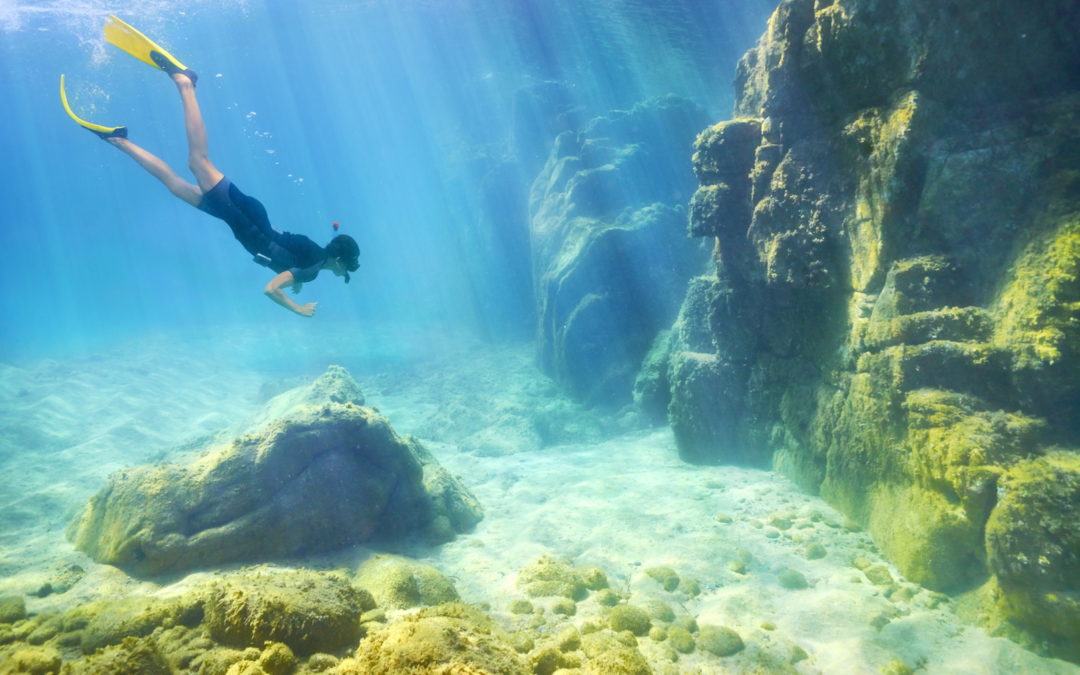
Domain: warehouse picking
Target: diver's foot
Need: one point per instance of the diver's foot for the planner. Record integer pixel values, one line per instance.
(117, 136)
(172, 69)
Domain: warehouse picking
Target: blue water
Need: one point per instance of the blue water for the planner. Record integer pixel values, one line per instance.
(385, 116)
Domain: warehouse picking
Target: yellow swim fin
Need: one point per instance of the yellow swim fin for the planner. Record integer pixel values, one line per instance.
(126, 37)
(101, 131)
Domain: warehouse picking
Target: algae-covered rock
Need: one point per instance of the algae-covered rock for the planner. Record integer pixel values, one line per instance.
(324, 477)
(719, 640)
(551, 577)
(35, 660)
(680, 639)
(101, 623)
(400, 583)
(443, 639)
(1032, 539)
(137, 656)
(631, 618)
(791, 579)
(665, 576)
(308, 611)
(607, 655)
(12, 608)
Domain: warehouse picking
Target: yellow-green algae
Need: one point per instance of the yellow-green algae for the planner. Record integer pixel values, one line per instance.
(452, 639)
(400, 583)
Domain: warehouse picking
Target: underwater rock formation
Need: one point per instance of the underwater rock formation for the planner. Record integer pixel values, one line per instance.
(609, 257)
(894, 319)
(324, 473)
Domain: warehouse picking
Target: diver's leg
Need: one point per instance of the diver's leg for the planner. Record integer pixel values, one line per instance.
(198, 149)
(160, 170)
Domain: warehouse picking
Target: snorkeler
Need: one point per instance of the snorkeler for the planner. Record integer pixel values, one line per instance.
(294, 257)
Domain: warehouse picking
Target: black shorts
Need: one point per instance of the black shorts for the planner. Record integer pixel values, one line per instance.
(246, 216)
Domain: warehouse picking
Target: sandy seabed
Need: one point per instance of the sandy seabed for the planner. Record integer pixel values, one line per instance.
(552, 478)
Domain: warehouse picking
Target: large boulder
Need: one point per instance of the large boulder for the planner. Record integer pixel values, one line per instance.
(894, 318)
(610, 257)
(326, 474)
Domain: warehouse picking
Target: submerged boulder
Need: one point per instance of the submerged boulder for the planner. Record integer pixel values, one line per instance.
(323, 476)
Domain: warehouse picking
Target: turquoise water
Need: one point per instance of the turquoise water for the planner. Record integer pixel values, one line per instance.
(387, 117)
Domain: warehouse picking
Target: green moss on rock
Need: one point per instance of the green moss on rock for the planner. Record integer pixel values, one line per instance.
(631, 618)
(308, 611)
(400, 583)
(451, 638)
(551, 577)
(719, 640)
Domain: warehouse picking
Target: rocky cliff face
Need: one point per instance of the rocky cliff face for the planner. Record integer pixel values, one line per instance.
(609, 256)
(894, 318)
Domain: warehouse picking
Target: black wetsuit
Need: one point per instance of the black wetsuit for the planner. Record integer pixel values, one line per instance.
(247, 218)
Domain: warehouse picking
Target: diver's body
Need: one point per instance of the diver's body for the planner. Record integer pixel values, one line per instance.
(294, 257)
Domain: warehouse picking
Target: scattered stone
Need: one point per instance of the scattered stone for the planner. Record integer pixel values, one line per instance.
(815, 551)
(737, 566)
(719, 640)
(595, 579)
(680, 639)
(687, 623)
(792, 579)
(521, 607)
(690, 587)
(861, 562)
(608, 598)
(12, 608)
(551, 577)
(768, 625)
(377, 615)
(546, 660)
(61, 581)
(614, 653)
(400, 583)
(878, 575)
(591, 626)
(658, 633)
(772, 533)
(137, 656)
(798, 654)
(456, 637)
(660, 611)
(880, 621)
(321, 662)
(568, 639)
(36, 660)
(564, 607)
(277, 659)
(665, 576)
(309, 611)
(780, 522)
(522, 643)
(48, 627)
(723, 518)
(631, 618)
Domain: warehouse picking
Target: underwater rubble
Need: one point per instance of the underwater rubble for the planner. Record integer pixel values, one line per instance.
(268, 620)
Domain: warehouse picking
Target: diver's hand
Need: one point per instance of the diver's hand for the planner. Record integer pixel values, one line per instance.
(307, 310)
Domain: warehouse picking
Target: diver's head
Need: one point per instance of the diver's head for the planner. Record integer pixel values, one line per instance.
(345, 252)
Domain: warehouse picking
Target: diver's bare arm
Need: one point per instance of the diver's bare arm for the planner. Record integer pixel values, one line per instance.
(274, 292)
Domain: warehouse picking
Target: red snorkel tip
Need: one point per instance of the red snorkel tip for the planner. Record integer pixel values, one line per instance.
(336, 225)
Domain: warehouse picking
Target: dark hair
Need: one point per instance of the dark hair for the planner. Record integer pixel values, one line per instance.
(344, 248)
